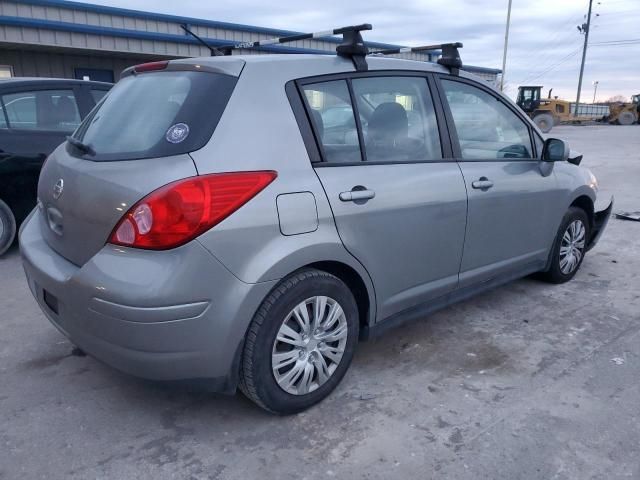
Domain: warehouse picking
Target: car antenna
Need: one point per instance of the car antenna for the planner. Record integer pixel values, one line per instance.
(450, 55)
(352, 45)
(215, 52)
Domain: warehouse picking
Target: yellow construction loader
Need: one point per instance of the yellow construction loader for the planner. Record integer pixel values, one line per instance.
(625, 113)
(550, 111)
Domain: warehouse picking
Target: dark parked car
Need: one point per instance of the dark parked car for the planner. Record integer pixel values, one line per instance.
(36, 114)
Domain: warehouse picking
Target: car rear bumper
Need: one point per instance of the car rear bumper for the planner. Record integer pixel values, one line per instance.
(601, 216)
(172, 315)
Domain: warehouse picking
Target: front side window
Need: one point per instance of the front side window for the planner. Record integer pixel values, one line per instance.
(487, 129)
(98, 95)
(331, 112)
(6, 71)
(55, 110)
(3, 117)
(398, 119)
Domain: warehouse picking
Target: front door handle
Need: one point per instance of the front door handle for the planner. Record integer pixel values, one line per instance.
(482, 184)
(357, 195)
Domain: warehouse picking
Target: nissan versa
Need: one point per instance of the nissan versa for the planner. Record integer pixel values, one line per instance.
(244, 220)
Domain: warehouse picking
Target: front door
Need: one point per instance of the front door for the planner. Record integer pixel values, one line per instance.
(32, 124)
(512, 194)
(399, 207)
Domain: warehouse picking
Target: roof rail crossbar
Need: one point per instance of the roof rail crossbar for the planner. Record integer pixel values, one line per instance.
(352, 46)
(450, 55)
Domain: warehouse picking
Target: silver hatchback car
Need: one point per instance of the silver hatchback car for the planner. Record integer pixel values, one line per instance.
(244, 220)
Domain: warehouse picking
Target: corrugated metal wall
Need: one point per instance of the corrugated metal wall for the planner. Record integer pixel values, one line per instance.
(105, 42)
(61, 65)
(122, 22)
(53, 37)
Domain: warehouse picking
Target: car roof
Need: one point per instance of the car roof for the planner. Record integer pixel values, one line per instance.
(295, 66)
(43, 81)
(374, 62)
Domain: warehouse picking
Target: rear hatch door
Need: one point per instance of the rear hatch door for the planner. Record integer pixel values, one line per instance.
(82, 201)
(135, 141)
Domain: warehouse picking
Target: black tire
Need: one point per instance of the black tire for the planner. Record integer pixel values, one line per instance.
(555, 274)
(7, 227)
(257, 380)
(627, 118)
(544, 121)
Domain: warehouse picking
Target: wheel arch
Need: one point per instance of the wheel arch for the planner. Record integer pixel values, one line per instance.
(358, 282)
(585, 203)
(357, 285)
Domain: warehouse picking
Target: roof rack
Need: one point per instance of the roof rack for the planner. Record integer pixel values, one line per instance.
(450, 55)
(352, 46)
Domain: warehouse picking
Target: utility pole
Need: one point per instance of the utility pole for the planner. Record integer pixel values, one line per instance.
(585, 29)
(506, 42)
(595, 90)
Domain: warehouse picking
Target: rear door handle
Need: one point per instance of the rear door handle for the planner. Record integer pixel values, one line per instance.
(356, 195)
(482, 184)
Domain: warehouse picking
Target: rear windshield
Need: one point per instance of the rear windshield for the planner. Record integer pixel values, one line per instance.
(155, 115)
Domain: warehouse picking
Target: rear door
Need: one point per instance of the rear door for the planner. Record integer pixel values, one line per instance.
(512, 194)
(399, 205)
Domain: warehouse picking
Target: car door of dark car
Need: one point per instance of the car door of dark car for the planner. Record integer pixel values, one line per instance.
(35, 120)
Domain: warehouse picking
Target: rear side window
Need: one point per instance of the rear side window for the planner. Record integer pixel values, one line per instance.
(156, 115)
(332, 115)
(48, 110)
(487, 129)
(398, 119)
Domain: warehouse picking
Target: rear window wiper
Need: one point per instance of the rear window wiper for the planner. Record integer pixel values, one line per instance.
(83, 147)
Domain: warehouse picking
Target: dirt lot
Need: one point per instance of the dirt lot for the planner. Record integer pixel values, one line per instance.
(530, 381)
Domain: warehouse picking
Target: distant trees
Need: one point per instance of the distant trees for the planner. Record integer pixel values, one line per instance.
(617, 99)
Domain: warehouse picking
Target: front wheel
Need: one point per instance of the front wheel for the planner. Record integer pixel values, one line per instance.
(627, 118)
(7, 227)
(300, 342)
(569, 247)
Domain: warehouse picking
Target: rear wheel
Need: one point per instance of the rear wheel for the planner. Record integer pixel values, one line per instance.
(300, 342)
(7, 227)
(627, 118)
(544, 121)
(569, 247)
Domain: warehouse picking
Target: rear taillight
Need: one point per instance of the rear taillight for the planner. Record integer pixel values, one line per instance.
(151, 66)
(180, 211)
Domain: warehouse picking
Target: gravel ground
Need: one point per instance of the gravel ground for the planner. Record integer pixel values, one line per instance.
(530, 381)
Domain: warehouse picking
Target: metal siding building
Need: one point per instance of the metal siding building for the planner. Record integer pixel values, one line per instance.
(59, 38)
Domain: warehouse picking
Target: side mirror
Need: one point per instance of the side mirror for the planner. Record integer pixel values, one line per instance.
(555, 150)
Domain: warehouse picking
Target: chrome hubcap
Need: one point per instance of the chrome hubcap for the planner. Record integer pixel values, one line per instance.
(309, 345)
(1, 227)
(572, 247)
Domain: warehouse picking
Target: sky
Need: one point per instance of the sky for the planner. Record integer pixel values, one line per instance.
(545, 47)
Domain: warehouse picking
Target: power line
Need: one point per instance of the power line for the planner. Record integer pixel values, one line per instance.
(604, 42)
(562, 61)
(558, 38)
(550, 61)
(613, 44)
